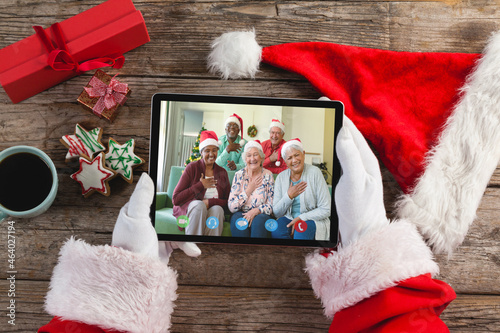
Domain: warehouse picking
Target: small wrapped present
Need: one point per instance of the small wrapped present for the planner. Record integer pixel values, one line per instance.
(95, 38)
(103, 95)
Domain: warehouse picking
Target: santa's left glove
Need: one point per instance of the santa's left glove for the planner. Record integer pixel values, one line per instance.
(380, 278)
(125, 287)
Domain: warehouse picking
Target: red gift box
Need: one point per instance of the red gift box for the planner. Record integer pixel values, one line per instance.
(107, 30)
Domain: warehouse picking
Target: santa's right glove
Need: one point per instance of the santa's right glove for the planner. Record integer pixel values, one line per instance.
(125, 287)
(380, 278)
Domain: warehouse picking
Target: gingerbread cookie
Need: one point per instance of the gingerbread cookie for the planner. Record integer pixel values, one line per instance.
(83, 143)
(94, 176)
(121, 158)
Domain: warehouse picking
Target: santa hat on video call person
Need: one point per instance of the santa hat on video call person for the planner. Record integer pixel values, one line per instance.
(277, 123)
(234, 118)
(289, 143)
(433, 117)
(208, 138)
(280, 125)
(253, 144)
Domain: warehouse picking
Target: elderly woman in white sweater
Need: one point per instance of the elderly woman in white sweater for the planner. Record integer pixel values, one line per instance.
(302, 202)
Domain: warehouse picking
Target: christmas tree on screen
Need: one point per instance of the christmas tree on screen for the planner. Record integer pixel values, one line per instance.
(195, 152)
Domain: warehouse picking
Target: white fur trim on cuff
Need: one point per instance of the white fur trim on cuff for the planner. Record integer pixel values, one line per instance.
(375, 262)
(111, 288)
(443, 204)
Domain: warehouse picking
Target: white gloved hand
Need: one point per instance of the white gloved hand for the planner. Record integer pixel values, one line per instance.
(133, 229)
(359, 193)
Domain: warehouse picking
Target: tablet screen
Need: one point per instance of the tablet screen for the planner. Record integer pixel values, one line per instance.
(245, 170)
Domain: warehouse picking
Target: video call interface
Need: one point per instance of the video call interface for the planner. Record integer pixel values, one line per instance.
(258, 172)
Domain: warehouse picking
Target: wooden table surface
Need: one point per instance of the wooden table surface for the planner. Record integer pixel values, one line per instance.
(230, 288)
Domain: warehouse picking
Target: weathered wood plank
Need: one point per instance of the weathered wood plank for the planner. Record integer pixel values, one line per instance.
(179, 48)
(202, 308)
(144, 87)
(474, 268)
(484, 310)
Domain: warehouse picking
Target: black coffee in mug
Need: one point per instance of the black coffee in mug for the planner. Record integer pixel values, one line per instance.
(25, 181)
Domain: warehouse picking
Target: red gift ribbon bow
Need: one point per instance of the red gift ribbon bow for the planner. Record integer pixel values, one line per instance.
(61, 60)
(109, 95)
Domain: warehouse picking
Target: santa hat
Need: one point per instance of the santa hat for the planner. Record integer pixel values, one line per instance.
(295, 142)
(253, 144)
(280, 125)
(208, 138)
(434, 118)
(234, 118)
(277, 123)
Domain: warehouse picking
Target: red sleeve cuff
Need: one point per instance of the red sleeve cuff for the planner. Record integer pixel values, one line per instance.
(414, 305)
(58, 325)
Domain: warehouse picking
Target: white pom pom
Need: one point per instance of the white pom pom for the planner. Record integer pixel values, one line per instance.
(219, 142)
(278, 163)
(235, 55)
(242, 142)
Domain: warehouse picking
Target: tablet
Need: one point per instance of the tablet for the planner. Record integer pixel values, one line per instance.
(227, 192)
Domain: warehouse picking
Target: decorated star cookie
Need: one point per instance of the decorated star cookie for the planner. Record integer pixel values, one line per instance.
(83, 143)
(93, 176)
(121, 158)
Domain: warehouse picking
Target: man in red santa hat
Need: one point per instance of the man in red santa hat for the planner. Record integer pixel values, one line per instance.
(231, 146)
(272, 147)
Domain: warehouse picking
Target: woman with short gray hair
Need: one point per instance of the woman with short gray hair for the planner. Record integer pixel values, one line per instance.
(302, 202)
(251, 196)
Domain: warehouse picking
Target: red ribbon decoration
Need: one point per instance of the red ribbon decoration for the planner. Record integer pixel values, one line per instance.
(109, 95)
(61, 60)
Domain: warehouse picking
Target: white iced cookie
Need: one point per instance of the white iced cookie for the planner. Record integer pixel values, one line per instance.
(121, 158)
(83, 143)
(93, 176)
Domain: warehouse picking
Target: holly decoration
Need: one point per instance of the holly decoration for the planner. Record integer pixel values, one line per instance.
(195, 152)
(252, 131)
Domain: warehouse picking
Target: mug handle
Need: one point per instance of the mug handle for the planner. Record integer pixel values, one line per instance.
(3, 215)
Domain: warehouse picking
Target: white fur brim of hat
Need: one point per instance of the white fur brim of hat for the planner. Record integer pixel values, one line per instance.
(277, 124)
(233, 119)
(253, 144)
(112, 288)
(208, 142)
(376, 261)
(287, 144)
(444, 201)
